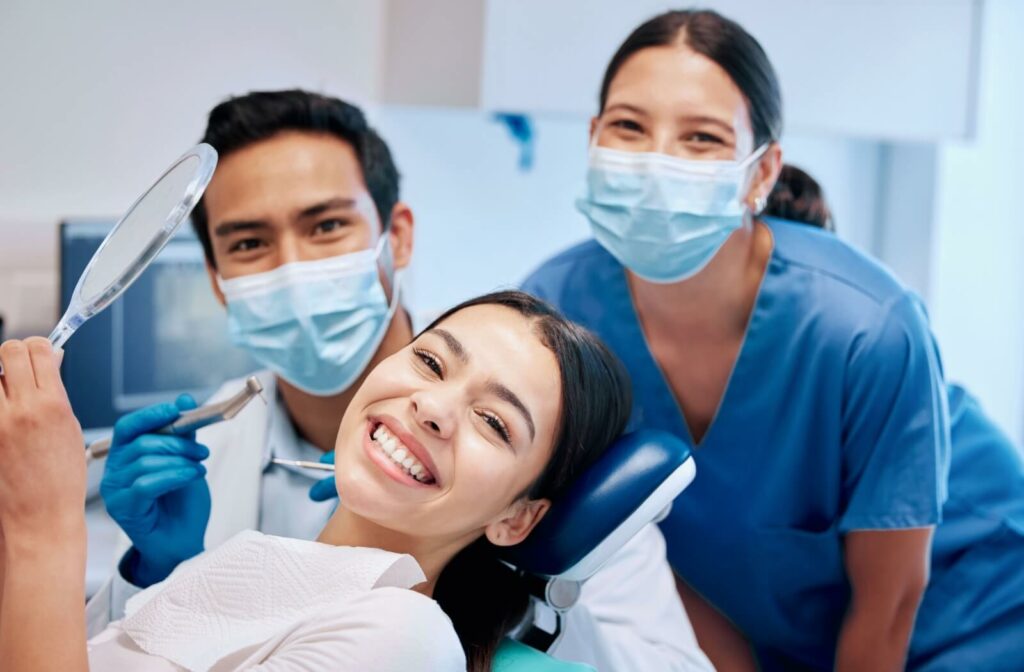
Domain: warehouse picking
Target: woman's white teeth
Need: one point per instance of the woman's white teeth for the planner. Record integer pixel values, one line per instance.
(399, 454)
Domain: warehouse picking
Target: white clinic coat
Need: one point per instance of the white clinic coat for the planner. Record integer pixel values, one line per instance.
(629, 617)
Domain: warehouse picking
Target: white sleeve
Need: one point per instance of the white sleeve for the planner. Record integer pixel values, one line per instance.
(385, 630)
(630, 618)
(107, 605)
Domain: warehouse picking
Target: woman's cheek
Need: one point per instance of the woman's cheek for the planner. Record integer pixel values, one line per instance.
(491, 481)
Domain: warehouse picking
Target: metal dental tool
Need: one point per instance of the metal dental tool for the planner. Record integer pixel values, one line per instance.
(194, 419)
(303, 464)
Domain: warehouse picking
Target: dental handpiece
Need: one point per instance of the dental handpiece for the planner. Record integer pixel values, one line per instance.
(189, 421)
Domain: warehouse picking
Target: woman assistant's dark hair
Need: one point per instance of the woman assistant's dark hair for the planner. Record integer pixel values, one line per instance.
(244, 120)
(484, 598)
(726, 43)
(799, 198)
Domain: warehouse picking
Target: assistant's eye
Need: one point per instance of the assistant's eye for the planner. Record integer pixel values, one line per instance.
(627, 125)
(497, 425)
(430, 361)
(703, 138)
(330, 226)
(246, 245)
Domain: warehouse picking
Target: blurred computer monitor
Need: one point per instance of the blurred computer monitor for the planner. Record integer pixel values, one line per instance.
(166, 335)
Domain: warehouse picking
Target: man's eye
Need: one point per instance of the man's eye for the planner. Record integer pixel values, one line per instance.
(330, 226)
(496, 424)
(430, 361)
(246, 245)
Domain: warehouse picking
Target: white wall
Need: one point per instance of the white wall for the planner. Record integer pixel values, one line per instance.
(96, 98)
(893, 69)
(481, 222)
(848, 171)
(977, 300)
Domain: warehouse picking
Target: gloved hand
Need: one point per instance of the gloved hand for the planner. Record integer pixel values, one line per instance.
(154, 487)
(324, 489)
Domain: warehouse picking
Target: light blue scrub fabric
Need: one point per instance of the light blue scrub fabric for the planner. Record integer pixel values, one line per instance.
(835, 419)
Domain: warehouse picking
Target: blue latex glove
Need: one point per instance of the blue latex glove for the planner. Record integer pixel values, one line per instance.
(154, 487)
(324, 489)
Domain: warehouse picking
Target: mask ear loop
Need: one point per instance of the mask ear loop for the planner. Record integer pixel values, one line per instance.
(760, 202)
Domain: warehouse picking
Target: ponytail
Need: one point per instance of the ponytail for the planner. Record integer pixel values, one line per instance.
(484, 598)
(799, 198)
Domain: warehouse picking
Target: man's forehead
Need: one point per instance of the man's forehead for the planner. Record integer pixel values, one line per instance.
(288, 181)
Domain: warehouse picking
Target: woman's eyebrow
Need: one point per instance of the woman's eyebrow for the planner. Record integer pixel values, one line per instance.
(704, 119)
(627, 108)
(453, 344)
(505, 394)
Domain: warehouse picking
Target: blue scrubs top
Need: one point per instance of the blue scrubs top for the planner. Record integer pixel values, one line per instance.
(834, 419)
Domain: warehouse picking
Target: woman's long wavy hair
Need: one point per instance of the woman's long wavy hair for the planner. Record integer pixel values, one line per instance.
(484, 598)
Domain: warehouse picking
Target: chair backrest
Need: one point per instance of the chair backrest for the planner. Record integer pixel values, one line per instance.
(632, 485)
(628, 487)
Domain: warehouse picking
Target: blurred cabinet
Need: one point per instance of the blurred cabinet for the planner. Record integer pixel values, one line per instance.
(884, 69)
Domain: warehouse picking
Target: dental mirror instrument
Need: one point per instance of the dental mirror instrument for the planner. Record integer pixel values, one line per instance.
(303, 464)
(137, 238)
(190, 421)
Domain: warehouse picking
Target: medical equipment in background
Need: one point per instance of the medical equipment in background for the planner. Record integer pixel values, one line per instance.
(195, 419)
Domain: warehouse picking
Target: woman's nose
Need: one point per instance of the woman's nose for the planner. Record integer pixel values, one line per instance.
(431, 412)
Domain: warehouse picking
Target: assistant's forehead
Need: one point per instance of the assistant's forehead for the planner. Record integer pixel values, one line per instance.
(675, 80)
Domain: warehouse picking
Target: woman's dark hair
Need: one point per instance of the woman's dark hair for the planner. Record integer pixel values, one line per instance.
(798, 197)
(244, 120)
(484, 598)
(726, 43)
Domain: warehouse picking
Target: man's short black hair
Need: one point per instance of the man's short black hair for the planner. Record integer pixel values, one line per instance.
(241, 121)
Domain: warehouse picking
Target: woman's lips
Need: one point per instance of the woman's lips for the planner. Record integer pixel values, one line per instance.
(409, 442)
(378, 456)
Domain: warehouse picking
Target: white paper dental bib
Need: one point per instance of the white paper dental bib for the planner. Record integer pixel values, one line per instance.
(258, 592)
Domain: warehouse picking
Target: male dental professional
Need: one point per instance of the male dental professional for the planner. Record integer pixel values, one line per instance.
(305, 240)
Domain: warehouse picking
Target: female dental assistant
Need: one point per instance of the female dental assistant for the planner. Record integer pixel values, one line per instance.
(802, 371)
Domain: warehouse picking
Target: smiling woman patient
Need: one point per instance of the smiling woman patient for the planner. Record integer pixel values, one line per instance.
(452, 447)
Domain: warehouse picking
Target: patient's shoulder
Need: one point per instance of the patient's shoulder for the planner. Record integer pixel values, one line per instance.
(383, 629)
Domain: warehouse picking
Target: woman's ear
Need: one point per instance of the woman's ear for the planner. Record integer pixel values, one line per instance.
(593, 129)
(765, 176)
(401, 232)
(518, 522)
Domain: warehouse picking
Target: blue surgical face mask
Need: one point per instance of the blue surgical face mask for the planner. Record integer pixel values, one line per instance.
(317, 323)
(663, 217)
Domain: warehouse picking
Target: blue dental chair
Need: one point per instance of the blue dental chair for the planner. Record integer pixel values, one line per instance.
(631, 485)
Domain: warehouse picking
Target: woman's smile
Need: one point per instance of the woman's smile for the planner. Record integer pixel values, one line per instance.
(398, 453)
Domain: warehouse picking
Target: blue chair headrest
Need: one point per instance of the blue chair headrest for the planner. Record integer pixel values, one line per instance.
(629, 485)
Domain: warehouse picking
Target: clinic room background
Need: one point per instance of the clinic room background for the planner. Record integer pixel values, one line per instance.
(910, 117)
